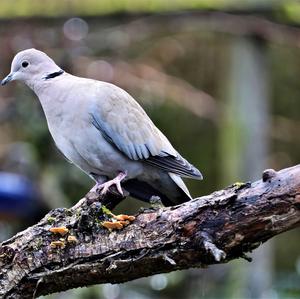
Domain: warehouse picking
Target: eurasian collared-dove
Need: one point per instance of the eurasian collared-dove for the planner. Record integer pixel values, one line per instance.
(100, 128)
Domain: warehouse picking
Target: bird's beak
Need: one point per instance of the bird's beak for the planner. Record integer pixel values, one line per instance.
(7, 79)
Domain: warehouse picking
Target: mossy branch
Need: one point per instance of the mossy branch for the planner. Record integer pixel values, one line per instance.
(207, 230)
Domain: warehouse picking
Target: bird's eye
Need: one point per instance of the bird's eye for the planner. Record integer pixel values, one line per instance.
(25, 64)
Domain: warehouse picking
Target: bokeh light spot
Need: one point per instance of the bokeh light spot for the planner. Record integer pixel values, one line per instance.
(76, 29)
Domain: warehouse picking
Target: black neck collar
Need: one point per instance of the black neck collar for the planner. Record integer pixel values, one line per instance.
(53, 75)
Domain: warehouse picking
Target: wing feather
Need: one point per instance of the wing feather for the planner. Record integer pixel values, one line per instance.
(124, 123)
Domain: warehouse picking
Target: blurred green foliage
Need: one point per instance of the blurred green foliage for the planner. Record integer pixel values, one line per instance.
(54, 8)
(284, 9)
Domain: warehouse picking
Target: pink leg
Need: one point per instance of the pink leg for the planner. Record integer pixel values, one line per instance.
(95, 188)
(99, 181)
(116, 181)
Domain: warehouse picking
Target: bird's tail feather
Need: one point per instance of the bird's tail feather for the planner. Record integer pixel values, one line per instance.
(144, 191)
(172, 193)
(179, 182)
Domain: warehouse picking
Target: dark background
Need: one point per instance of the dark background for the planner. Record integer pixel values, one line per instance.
(221, 80)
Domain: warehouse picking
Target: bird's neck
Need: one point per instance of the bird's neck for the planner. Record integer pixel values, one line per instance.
(52, 99)
(50, 91)
(52, 75)
(40, 83)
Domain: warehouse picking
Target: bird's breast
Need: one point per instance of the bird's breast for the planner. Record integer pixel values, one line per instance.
(85, 146)
(71, 127)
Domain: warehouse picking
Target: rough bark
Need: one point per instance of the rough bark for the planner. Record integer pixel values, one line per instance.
(207, 230)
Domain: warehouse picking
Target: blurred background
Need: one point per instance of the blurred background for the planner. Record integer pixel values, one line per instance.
(220, 78)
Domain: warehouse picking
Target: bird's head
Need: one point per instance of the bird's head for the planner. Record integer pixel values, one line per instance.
(29, 65)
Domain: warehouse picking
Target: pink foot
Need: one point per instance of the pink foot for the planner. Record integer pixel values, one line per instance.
(95, 188)
(116, 181)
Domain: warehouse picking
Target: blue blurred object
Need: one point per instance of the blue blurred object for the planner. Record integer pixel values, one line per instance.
(18, 196)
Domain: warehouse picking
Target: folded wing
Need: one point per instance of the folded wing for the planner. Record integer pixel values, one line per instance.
(124, 123)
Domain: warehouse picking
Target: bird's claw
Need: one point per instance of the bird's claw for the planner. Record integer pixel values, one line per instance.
(104, 188)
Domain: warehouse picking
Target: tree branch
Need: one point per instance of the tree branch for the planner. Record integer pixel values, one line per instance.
(207, 230)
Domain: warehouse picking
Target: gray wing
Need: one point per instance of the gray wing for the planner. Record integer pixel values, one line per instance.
(124, 123)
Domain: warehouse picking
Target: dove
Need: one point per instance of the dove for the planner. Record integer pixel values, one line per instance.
(101, 129)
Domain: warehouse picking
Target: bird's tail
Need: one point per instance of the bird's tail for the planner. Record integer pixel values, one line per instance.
(172, 192)
(179, 182)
